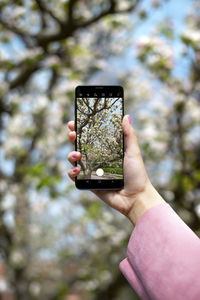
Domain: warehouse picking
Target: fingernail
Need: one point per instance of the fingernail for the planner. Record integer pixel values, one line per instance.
(75, 169)
(129, 119)
(74, 155)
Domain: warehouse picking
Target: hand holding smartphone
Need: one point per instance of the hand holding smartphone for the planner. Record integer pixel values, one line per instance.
(137, 195)
(99, 111)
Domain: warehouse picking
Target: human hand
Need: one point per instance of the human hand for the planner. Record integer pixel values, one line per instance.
(133, 200)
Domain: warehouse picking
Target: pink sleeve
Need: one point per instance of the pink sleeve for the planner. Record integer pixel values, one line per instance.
(163, 257)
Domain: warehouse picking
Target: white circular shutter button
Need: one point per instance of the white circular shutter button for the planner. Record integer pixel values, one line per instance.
(99, 172)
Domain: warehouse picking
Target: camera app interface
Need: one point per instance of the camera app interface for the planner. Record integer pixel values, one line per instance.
(100, 137)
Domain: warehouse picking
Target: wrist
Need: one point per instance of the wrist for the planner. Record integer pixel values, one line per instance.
(143, 202)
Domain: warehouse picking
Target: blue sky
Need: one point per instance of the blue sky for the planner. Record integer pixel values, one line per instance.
(174, 10)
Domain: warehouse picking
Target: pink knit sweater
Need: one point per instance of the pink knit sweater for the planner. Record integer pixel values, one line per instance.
(163, 257)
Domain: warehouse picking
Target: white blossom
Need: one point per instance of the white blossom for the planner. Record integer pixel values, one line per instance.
(169, 195)
(12, 144)
(8, 201)
(105, 276)
(118, 236)
(52, 60)
(91, 284)
(40, 101)
(149, 132)
(3, 285)
(192, 110)
(18, 11)
(35, 288)
(17, 257)
(197, 209)
(28, 53)
(192, 34)
(34, 229)
(108, 216)
(39, 205)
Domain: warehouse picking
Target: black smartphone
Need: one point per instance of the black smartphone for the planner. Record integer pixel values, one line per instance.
(99, 111)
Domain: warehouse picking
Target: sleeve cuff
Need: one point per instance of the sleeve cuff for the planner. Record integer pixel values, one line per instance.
(156, 261)
(132, 278)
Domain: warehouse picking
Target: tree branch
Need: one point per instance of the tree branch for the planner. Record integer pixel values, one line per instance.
(24, 76)
(87, 104)
(66, 30)
(44, 9)
(71, 5)
(112, 103)
(44, 39)
(82, 111)
(26, 37)
(109, 11)
(52, 81)
(69, 27)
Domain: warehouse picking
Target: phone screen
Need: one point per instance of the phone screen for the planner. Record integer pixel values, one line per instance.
(99, 114)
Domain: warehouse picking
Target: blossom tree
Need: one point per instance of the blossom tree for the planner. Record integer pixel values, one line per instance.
(99, 134)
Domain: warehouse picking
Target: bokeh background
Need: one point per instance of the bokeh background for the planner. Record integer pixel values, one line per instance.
(57, 242)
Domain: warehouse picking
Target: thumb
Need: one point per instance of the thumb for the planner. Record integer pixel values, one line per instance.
(131, 143)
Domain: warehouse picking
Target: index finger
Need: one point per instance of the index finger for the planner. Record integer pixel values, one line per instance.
(70, 125)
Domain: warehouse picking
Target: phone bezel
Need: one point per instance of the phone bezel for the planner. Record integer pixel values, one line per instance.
(98, 184)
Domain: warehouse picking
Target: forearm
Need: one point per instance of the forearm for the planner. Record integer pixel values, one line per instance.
(163, 256)
(143, 202)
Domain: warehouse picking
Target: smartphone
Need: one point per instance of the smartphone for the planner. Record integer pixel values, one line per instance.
(99, 111)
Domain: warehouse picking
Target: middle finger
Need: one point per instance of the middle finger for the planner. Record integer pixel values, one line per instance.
(73, 157)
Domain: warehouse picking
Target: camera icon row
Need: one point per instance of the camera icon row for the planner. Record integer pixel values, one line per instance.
(99, 95)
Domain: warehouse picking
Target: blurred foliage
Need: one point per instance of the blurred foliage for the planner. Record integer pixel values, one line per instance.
(55, 242)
